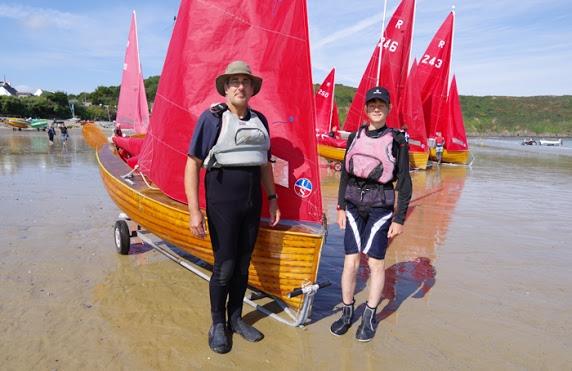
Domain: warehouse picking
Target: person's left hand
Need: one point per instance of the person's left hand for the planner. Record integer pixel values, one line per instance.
(274, 212)
(395, 229)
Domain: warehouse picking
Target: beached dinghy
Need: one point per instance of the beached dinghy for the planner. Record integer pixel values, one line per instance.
(548, 142)
(330, 145)
(286, 257)
(16, 123)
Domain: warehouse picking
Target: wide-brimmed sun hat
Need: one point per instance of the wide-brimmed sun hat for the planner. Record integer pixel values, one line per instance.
(238, 68)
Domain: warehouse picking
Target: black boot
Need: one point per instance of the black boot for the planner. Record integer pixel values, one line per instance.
(366, 329)
(249, 333)
(342, 325)
(219, 341)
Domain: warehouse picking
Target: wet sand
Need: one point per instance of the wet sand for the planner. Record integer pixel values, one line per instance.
(480, 279)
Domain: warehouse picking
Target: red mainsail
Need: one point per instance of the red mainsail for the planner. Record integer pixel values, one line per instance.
(325, 104)
(454, 134)
(132, 108)
(433, 73)
(272, 36)
(394, 64)
(411, 113)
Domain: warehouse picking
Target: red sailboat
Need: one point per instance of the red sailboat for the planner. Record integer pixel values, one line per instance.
(453, 129)
(132, 108)
(412, 119)
(286, 257)
(433, 73)
(330, 145)
(393, 50)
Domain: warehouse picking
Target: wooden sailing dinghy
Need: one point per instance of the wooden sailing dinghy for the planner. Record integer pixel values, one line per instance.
(327, 121)
(286, 257)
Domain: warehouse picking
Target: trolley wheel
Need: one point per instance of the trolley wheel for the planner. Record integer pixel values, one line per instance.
(122, 237)
(338, 166)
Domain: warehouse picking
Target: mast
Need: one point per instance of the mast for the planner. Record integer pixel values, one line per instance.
(382, 40)
(333, 100)
(412, 33)
(449, 78)
(137, 43)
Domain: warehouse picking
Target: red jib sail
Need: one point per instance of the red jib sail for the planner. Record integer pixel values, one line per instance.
(335, 118)
(394, 64)
(454, 134)
(325, 104)
(132, 108)
(411, 113)
(433, 73)
(272, 36)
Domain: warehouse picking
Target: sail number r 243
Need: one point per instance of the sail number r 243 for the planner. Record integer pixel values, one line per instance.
(323, 93)
(436, 62)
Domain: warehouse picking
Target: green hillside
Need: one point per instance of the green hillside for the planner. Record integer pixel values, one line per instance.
(490, 115)
(499, 115)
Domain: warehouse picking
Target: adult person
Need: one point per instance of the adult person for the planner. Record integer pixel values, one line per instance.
(375, 157)
(439, 146)
(51, 134)
(64, 133)
(232, 141)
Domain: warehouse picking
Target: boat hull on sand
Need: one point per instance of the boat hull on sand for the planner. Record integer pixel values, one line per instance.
(285, 257)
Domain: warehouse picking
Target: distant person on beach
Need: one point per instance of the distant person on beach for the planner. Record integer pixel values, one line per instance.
(376, 156)
(64, 133)
(233, 196)
(439, 146)
(51, 134)
(117, 130)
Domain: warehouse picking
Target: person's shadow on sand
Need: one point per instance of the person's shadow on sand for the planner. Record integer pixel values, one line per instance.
(403, 280)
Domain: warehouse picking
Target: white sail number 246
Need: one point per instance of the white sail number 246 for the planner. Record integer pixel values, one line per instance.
(436, 62)
(391, 45)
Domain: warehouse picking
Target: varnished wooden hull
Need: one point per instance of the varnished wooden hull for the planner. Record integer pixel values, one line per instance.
(331, 153)
(452, 157)
(418, 160)
(284, 258)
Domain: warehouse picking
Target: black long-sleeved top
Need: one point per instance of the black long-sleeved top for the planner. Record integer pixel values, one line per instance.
(401, 173)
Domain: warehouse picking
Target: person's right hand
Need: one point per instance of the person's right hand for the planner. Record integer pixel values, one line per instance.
(197, 223)
(342, 219)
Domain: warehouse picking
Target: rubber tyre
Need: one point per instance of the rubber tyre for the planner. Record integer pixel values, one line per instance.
(122, 237)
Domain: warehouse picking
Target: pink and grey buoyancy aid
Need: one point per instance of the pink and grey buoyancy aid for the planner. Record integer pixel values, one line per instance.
(371, 158)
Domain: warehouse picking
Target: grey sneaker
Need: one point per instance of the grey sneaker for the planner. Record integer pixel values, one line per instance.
(245, 330)
(219, 340)
(366, 329)
(342, 325)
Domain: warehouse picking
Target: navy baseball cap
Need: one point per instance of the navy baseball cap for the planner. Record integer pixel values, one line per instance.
(377, 92)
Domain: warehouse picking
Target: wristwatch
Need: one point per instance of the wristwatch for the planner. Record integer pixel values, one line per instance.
(273, 196)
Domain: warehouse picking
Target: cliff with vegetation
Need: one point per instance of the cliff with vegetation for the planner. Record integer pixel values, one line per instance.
(489, 115)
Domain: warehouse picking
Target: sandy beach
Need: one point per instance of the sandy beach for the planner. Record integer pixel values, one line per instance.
(479, 280)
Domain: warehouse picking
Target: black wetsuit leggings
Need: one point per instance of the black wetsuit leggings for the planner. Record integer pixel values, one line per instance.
(233, 212)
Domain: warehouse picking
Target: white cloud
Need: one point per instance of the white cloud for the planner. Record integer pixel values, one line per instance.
(40, 18)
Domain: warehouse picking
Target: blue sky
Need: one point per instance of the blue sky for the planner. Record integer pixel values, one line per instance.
(501, 47)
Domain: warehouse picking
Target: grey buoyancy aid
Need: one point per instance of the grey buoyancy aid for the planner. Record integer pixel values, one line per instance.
(371, 158)
(240, 143)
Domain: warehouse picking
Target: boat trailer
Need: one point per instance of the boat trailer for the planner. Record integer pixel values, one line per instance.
(123, 235)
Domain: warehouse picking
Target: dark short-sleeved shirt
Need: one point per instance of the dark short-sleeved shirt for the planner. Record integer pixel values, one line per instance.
(207, 130)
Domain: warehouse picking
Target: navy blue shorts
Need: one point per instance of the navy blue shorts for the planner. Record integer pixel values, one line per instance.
(367, 232)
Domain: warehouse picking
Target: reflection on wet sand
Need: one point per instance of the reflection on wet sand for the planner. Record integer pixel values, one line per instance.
(410, 271)
(411, 257)
(488, 255)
